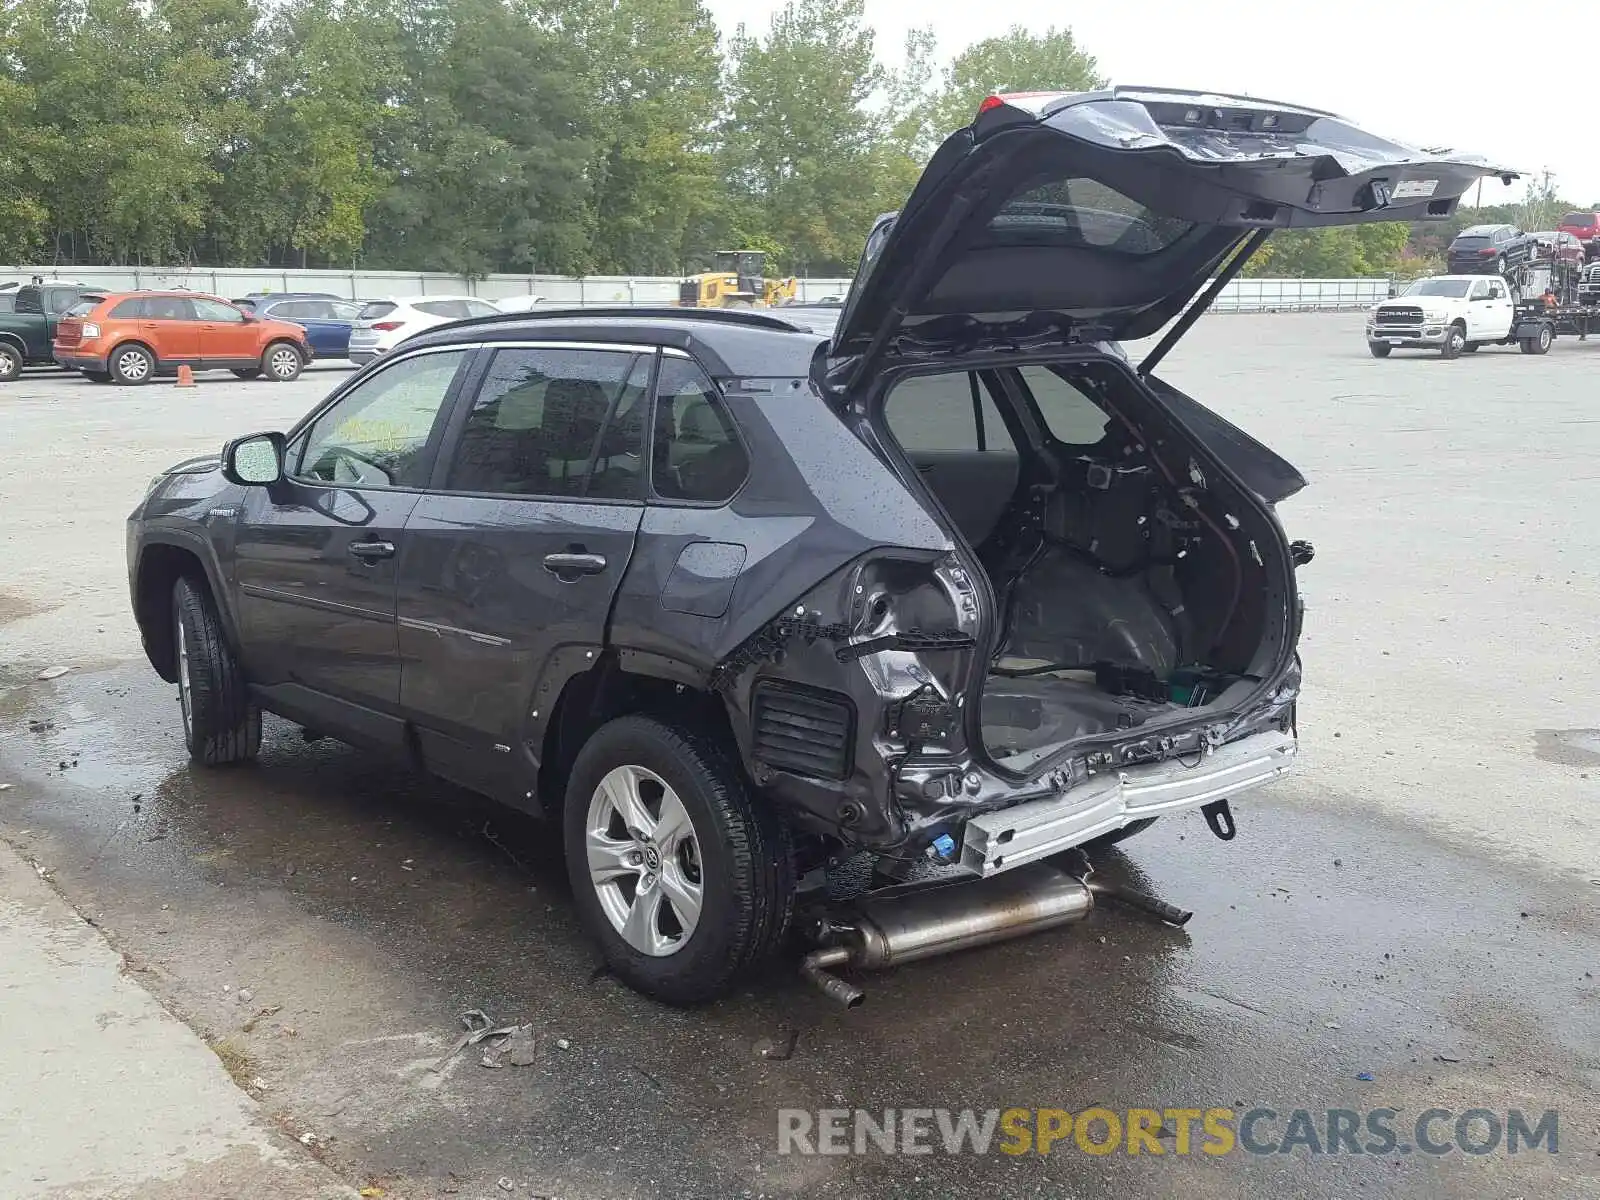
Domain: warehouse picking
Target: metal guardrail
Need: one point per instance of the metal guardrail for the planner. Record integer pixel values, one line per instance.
(1242, 295)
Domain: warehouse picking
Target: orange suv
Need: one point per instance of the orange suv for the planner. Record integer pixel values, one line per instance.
(131, 337)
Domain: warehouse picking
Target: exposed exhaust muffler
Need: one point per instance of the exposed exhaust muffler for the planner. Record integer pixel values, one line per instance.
(1030, 899)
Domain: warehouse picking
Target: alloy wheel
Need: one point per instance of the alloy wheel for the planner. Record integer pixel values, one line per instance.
(644, 860)
(10, 362)
(133, 364)
(184, 692)
(283, 363)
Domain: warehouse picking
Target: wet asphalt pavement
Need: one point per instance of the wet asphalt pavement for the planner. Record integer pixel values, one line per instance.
(1425, 918)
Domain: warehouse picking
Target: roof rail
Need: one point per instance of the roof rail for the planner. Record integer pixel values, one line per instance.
(726, 316)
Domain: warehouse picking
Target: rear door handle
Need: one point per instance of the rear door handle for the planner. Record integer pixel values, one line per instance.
(371, 551)
(564, 565)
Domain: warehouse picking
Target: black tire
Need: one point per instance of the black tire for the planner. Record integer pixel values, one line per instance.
(1379, 349)
(1540, 342)
(97, 376)
(10, 362)
(1455, 341)
(1471, 347)
(745, 863)
(282, 362)
(1500, 265)
(248, 373)
(131, 365)
(220, 724)
(1107, 840)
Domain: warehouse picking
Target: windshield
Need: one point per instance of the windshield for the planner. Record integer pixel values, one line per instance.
(1455, 288)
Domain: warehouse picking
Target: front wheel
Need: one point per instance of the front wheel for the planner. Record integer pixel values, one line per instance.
(683, 877)
(282, 363)
(1455, 341)
(10, 362)
(1379, 349)
(1471, 347)
(220, 724)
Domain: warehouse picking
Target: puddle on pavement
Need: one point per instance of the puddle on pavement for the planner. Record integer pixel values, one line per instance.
(1568, 747)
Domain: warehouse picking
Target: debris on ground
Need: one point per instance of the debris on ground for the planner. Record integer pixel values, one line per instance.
(244, 996)
(1365, 1076)
(479, 1026)
(261, 1014)
(6, 787)
(506, 1185)
(779, 1048)
(563, 1044)
(515, 1049)
(52, 673)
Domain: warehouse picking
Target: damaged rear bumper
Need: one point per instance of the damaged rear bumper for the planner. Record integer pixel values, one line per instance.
(1012, 837)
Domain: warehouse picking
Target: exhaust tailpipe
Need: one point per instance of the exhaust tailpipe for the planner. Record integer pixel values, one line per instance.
(926, 924)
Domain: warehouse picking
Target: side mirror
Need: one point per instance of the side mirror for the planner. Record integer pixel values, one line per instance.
(254, 461)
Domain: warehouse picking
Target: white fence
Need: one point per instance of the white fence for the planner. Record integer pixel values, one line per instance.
(1242, 295)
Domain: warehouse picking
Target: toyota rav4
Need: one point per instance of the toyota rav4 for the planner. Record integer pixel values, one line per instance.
(942, 597)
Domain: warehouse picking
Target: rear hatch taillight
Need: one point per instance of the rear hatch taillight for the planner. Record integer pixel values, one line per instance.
(69, 332)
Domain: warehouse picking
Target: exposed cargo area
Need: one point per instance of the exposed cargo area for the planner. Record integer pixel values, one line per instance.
(1133, 585)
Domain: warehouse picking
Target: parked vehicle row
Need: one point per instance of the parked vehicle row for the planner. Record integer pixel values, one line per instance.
(132, 337)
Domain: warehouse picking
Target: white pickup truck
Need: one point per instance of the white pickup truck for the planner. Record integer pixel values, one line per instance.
(1452, 314)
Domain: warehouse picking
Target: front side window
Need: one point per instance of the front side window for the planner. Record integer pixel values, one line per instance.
(1480, 290)
(375, 434)
(136, 309)
(696, 455)
(1497, 290)
(557, 423)
(216, 310)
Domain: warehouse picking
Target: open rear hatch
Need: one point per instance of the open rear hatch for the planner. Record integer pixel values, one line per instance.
(1106, 212)
(1142, 599)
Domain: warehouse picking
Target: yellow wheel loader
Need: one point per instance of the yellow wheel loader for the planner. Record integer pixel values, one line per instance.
(738, 280)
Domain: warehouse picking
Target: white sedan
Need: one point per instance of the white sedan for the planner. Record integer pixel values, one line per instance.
(384, 324)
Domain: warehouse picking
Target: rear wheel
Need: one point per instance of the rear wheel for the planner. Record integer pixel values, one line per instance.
(1455, 341)
(1379, 349)
(10, 362)
(683, 878)
(220, 724)
(1539, 343)
(282, 363)
(132, 364)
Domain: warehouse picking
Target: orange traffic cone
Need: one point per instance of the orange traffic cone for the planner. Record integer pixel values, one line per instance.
(185, 376)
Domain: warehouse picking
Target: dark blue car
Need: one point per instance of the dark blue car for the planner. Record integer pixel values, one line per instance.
(326, 320)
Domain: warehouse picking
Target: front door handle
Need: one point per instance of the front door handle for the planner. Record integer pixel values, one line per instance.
(371, 551)
(570, 566)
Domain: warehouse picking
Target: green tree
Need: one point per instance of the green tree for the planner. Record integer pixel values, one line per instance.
(1016, 61)
(489, 157)
(650, 72)
(801, 153)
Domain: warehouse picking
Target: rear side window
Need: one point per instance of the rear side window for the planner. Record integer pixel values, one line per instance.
(133, 309)
(1069, 414)
(944, 413)
(558, 423)
(696, 453)
(378, 308)
(1087, 213)
(441, 308)
(478, 308)
(8, 302)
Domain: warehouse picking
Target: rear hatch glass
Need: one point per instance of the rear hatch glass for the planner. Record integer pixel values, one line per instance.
(1469, 243)
(376, 310)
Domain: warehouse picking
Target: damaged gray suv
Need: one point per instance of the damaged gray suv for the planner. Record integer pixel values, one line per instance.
(850, 637)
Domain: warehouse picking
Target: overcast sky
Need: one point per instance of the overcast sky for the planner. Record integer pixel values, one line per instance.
(1417, 72)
